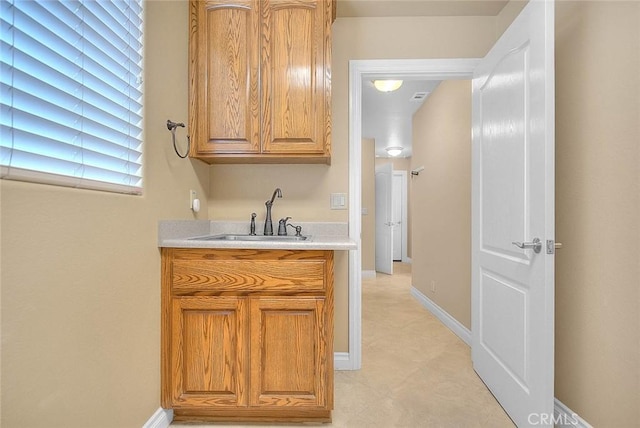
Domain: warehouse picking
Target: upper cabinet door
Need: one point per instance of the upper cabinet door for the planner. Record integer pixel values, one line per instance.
(295, 76)
(224, 64)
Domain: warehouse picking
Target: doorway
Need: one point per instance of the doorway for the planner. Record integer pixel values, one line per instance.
(437, 69)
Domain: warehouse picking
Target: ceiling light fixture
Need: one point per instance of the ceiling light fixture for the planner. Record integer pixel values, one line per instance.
(394, 151)
(387, 85)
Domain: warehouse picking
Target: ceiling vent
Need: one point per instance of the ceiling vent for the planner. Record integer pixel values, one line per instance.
(419, 96)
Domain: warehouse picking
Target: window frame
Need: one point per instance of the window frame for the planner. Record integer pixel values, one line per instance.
(106, 149)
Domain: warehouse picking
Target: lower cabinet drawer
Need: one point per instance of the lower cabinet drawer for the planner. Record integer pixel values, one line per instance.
(220, 271)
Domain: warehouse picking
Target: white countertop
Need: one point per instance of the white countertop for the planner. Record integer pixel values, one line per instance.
(322, 236)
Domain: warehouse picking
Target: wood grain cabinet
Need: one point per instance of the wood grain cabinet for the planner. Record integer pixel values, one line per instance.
(247, 335)
(260, 80)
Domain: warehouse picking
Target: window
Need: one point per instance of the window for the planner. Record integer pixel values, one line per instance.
(71, 93)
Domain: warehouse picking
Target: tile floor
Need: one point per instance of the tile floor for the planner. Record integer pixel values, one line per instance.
(415, 372)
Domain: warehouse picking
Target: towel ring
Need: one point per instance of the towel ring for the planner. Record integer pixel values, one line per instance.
(171, 126)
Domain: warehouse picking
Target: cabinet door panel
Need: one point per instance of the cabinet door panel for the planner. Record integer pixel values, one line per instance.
(288, 352)
(226, 34)
(293, 76)
(208, 352)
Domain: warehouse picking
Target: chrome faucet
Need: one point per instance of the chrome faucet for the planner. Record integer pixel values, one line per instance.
(268, 225)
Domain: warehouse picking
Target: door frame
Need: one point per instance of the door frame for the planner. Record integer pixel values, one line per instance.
(434, 69)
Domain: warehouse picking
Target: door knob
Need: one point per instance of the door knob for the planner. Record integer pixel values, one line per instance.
(536, 245)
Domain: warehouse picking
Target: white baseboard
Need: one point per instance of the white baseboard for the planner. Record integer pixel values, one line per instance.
(367, 274)
(564, 417)
(407, 260)
(160, 419)
(453, 324)
(342, 361)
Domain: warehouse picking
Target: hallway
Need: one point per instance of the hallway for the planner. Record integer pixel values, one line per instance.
(415, 372)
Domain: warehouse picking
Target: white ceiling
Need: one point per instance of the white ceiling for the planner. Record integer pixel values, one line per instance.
(387, 117)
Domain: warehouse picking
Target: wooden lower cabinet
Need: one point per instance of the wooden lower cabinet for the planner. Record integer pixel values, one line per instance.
(209, 362)
(288, 346)
(247, 353)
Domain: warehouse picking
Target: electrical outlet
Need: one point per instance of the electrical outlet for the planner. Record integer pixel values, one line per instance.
(433, 286)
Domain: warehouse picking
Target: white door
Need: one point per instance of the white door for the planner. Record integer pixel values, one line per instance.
(513, 200)
(396, 216)
(384, 226)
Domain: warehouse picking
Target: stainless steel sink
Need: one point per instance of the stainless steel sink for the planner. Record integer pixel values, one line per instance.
(231, 237)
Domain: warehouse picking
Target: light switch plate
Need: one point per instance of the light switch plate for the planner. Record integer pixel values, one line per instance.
(338, 201)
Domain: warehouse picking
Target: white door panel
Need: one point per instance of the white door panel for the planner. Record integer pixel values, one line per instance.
(384, 225)
(513, 200)
(397, 216)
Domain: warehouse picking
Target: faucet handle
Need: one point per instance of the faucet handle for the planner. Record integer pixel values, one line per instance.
(282, 226)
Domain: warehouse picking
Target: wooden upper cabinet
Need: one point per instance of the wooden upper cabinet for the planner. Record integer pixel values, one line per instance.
(224, 65)
(293, 87)
(260, 81)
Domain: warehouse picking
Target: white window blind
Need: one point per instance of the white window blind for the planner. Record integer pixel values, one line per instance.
(71, 93)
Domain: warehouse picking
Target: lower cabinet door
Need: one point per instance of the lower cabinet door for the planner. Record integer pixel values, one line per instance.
(288, 352)
(209, 352)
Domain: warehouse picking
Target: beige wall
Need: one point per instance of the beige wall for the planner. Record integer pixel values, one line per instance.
(369, 203)
(508, 14)
(598, 210)
(81, 270)
(441, 198)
